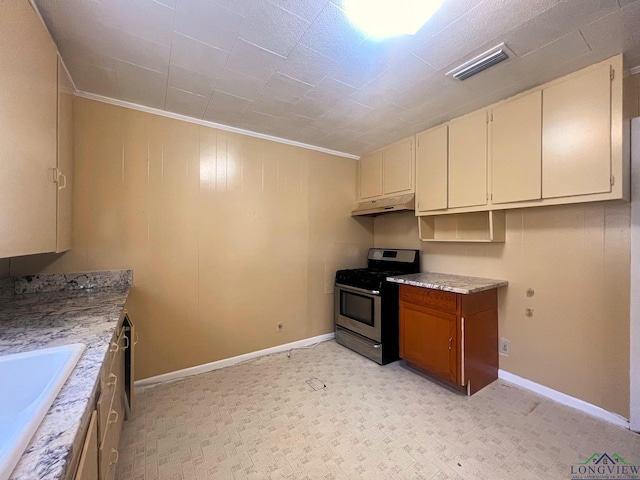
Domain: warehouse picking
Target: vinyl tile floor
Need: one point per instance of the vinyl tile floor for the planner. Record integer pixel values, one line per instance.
(328, 413)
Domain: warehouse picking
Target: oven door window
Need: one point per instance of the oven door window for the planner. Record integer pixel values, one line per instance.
(357, 307)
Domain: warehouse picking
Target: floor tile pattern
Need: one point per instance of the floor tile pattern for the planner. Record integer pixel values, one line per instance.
(328, 413)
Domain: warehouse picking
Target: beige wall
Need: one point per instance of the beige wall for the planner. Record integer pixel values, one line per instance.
(632, 96)
(227, 235)
(576, 258)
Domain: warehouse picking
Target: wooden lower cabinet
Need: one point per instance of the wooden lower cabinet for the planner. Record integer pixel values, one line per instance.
(431, 342)
(450, 336)
(111, 409)
(112, 400)
(98, 459)
(88, 466)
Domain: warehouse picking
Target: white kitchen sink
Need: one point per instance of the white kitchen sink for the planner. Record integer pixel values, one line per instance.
(29, 383)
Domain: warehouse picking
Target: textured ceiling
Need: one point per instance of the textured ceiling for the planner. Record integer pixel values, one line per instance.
(297, 69)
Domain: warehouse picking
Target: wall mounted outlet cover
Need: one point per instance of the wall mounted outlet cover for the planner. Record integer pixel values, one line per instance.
(504, 346)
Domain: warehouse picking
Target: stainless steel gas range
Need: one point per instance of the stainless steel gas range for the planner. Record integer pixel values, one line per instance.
(366, 305)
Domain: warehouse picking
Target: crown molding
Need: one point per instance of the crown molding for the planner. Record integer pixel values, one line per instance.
(219, 126)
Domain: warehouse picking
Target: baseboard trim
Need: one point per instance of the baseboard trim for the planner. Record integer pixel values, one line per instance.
(227, 362)
(565, 399)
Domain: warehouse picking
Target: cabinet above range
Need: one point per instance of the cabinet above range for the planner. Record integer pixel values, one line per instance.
(562, 142)
(388, 172)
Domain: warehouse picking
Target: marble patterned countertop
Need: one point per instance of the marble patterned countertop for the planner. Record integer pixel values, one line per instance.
(62, 309)
(448, 283)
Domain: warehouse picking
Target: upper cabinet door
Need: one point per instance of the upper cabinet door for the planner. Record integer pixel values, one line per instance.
(468, 161)
(65, 159)
(397, 170)
(516, 150)
(28, 71)
(431, 169)
(370, 176)
(576, 135)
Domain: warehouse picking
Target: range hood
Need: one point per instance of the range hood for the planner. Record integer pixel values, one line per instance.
(399, 203)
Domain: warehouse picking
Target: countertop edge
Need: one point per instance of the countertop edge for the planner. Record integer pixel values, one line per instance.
(90, 316)
(449, 283)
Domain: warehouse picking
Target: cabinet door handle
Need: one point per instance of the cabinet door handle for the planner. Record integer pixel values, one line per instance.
(111, 382)
(126, 342)
(115, 419)
(114, 347)
(113, 450)
(59, 178)
(450, 343)
(135, 338)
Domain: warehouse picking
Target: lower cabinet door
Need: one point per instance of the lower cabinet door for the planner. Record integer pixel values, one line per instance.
(88, 466)
(428, 340)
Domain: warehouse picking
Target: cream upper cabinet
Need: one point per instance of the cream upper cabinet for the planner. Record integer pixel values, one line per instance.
(370, 176)
(65, 159)
(559, 143)
(28, 71)
(576, 135)
(516, 149)
(431, 169)
(397, 167)
(468, 160)
(387, 172)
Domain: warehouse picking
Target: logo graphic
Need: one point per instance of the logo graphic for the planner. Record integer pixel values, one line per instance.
(601, 466)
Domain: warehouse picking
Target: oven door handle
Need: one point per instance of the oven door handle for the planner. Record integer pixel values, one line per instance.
(358, 290)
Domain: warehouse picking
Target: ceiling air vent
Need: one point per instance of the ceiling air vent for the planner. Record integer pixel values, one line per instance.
(481, 62)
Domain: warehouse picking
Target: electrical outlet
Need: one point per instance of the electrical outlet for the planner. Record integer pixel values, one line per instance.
(279, 327)
(504, 346)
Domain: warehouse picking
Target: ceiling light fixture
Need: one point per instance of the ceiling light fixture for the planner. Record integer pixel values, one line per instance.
(491, 57)
(389, 18)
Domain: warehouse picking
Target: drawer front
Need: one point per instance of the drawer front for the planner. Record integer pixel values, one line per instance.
(118, 405)
(108, 461)
(428, 297)
(360, 344)
(111, 472)
(114, 349)
(111, 391)
(108, 447)
(104, 406)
